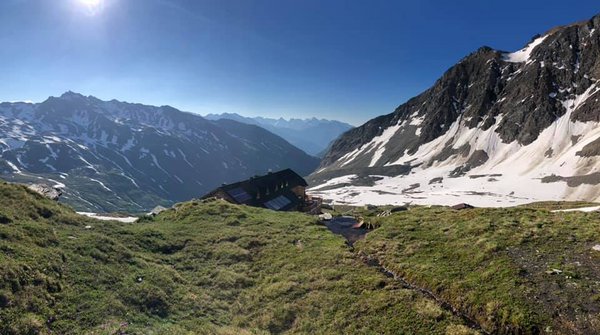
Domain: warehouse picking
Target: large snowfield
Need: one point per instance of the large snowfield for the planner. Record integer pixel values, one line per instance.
(511, 176)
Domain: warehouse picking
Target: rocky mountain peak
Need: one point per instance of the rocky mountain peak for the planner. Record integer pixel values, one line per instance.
(486, 109)
(71, 94)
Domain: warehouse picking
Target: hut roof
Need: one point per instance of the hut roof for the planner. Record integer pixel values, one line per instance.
(279, 185)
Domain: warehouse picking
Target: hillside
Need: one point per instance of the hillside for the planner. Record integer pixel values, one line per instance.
(114, 156)
(496, 129)
(205, 268)
(521, 270)
(311, 135)
(215, 268)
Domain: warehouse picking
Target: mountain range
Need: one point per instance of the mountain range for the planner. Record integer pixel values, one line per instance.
(498, 128)
(311, 135)
(118, 156)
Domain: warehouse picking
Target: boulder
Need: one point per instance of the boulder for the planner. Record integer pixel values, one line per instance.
(49, 192)
(325, 217)
(157, 210)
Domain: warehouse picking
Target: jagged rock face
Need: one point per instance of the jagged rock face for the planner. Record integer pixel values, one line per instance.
(112, 155)
(488, 109)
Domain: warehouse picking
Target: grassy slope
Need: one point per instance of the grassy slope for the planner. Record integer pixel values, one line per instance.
(497, 265)
(204, 268)
(559, 205)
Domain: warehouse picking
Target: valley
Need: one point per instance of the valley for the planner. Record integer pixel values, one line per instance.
(473, 208)
(116, 156)
(313, 136)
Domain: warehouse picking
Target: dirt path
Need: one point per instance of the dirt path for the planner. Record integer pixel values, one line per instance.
(343, 226)
(373, 262)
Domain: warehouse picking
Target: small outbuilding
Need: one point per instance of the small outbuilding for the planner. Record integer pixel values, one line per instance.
(462, 206)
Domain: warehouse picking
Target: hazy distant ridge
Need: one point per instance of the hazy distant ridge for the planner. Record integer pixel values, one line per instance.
(311, 135)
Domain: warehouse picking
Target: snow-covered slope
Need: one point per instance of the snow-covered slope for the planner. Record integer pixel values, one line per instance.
(497, 129)
(111, 155)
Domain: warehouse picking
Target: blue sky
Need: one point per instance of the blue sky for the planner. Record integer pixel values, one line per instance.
(346, 60)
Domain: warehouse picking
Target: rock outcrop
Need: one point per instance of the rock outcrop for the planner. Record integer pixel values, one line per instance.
(49, 192)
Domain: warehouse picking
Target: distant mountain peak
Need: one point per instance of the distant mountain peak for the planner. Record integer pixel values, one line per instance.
(70, 95)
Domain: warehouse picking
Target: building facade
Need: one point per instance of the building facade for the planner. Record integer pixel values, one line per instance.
(280, 191)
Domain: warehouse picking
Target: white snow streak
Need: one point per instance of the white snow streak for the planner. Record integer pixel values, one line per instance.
(524, 54)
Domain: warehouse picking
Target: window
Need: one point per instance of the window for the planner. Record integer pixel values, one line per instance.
(239, 195)
(278, 203)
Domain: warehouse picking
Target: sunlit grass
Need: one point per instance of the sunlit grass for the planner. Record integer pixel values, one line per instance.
(206, 268)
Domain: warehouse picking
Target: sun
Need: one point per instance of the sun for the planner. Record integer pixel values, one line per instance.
(91, 3)
(92, 7)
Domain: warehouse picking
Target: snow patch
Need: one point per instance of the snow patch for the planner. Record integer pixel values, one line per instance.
(101, 184)
(523, 55)
(97, 216)
(583, 209)
(13, 166)
(379, 143)
(336, 181)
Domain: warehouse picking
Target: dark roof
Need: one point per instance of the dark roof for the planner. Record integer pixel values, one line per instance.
(279, 185)
(287, 175)
(462, 206)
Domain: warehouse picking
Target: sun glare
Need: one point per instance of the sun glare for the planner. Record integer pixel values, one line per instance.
(91, 3)
(93, 7)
